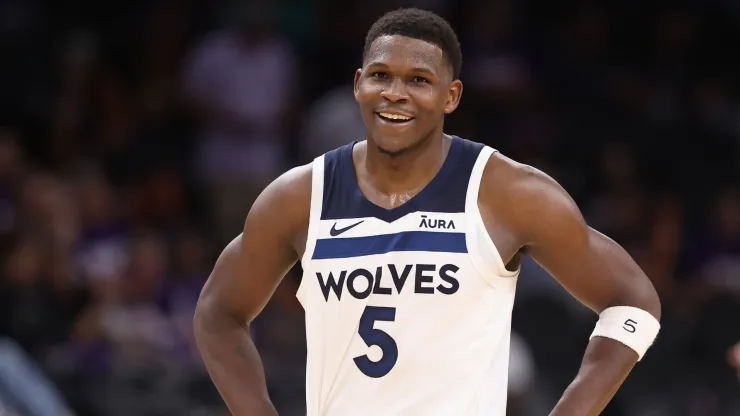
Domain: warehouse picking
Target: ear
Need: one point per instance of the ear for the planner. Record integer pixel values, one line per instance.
(454, 94)
(356, 83)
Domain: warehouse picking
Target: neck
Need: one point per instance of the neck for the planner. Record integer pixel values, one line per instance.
(408, 171)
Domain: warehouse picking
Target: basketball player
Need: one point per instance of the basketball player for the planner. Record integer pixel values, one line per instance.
(411, 242)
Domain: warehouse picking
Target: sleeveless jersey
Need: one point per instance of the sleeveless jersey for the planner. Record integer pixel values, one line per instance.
(408, 310)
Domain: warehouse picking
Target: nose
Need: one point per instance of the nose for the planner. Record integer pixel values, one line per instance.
(395, 91)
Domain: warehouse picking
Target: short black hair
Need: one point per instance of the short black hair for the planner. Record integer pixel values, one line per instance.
(418, 24)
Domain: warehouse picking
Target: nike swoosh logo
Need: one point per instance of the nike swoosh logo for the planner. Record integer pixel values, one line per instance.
(335, 232)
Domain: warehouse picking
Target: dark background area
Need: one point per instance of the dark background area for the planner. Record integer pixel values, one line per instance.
(135, 135)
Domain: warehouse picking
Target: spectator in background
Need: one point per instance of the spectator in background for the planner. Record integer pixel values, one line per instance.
(22, 298)
(46, 209)
(190, 269)
(24, 389)
(240, 81)
(71, 117)
(139, 331)
(101, 246)
(658, 253)
(713, 259)
(331, 121)
(11, 168)
(721, 266)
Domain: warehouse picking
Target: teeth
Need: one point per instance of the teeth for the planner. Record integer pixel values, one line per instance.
(394, 116)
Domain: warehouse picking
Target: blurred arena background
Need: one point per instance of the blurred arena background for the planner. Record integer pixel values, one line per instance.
(134, 136)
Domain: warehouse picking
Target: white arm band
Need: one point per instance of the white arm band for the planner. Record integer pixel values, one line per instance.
(631, 326)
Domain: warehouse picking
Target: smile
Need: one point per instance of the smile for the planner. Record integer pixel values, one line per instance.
(393, 118)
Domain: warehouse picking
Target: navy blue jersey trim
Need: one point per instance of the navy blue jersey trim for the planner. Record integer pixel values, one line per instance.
(445, 193)
(430, 241)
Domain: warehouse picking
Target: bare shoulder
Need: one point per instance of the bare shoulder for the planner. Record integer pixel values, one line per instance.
(518, 182)
(292, 186)
(525, 198)
(252, 265)
(284, 205)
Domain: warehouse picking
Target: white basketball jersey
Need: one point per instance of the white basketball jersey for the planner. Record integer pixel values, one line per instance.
(408, 310)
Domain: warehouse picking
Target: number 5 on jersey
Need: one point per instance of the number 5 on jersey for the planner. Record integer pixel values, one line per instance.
(373, 336)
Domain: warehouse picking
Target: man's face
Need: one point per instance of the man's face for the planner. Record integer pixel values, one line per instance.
(404, 89)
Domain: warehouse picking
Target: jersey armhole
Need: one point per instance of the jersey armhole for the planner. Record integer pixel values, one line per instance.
(482, 250)
(317, 198)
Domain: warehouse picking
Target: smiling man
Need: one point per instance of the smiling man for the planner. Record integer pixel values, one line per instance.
(411, 242)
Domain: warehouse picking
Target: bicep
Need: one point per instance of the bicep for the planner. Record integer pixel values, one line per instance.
(591, 266)
(251, 266)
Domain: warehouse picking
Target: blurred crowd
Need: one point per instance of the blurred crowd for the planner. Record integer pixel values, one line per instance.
(135, 135)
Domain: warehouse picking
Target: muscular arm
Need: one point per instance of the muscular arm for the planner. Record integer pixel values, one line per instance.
(242, 281)
(598, 272)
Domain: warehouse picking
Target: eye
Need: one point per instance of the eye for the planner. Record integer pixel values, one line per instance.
(420, 79)
(379, 74)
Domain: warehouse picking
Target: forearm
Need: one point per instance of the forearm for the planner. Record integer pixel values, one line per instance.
(606, 364)
(622, 335)
(233, 363)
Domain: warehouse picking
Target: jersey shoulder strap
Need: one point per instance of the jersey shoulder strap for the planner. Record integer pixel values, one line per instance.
(317, 199)
(482, 249)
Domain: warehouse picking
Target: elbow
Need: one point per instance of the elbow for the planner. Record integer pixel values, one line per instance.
(651, 303)
(212, 319)
(201, 317)
(207, 317)
(643, 296)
